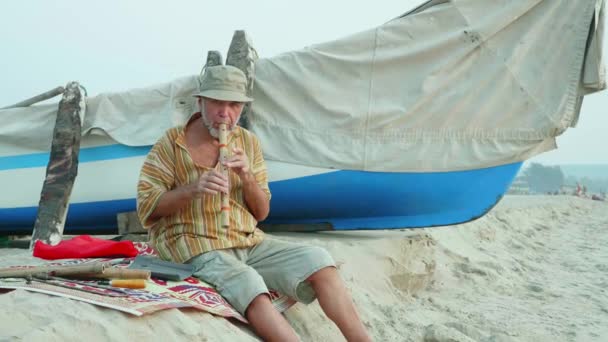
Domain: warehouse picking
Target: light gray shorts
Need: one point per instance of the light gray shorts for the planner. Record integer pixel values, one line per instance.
(241, 274)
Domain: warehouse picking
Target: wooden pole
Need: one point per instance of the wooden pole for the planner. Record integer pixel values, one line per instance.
(225, 210)
(68, 270)
(38, 98)
(62, 168)
(242, 55)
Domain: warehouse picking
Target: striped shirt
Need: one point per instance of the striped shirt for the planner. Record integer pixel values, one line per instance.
(196, 228)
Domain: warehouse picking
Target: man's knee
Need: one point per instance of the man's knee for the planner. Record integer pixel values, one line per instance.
(324, 274)
(242, 288)
(237, 282)
(259, 302)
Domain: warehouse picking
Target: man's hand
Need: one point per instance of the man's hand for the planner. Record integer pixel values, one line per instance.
(255, 198)
(238, 162)
(210, 182)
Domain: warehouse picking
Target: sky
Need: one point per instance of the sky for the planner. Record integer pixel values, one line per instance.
(116, 45)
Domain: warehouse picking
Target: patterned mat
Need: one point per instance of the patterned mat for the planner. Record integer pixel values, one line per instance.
(158, 294)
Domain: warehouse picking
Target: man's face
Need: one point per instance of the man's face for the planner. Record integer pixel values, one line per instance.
(215, 112)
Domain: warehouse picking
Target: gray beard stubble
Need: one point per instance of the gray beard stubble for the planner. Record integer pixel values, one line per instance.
(213, 131)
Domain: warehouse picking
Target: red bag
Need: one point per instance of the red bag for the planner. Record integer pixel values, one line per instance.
(84, 246)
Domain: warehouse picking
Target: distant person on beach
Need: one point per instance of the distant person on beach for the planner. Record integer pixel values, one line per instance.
(178, 200)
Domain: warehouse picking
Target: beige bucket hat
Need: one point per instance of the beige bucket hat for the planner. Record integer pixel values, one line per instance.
(223, 82)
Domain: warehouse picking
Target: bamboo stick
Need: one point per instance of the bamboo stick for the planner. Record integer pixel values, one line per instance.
(126, 283)
(38, 98)
(124, 273)
(73, 270)
(225, 210)
(114, 273)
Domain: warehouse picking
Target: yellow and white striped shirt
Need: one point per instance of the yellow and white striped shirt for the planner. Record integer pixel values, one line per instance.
(196, 228)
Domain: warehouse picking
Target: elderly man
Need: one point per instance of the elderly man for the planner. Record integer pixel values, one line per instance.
(178, 199)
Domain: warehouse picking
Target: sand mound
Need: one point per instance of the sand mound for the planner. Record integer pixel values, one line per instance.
(532, 269)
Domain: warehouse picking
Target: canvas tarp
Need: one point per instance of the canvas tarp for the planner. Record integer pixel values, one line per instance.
(452, 85)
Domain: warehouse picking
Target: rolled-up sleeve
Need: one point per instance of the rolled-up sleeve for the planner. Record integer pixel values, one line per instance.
(157, 176)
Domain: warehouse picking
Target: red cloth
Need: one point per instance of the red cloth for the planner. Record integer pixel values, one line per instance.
(84, 246)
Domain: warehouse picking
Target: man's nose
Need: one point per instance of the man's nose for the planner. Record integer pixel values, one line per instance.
(223, 110)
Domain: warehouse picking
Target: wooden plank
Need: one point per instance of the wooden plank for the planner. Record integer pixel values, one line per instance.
(128, 223)
(296, 227)
(62, 168)
(242, 55)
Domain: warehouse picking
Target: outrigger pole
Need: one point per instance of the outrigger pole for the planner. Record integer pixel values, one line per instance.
(38, 98)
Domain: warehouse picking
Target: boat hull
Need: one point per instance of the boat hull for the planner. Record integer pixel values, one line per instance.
(336, 199)
(378, 200)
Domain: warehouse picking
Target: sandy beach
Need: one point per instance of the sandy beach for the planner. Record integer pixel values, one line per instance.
(533, 269)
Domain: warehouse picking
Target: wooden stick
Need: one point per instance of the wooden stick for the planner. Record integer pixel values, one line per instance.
(71, 270)
(225, 211)
(38, 98)
(62, 168)
(124, 273)
(114, 273)
(126, 283)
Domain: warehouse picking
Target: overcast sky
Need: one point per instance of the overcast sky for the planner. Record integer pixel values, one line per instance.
(118, 44)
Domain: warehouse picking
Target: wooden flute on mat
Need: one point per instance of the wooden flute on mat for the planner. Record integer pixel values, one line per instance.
(92, 270)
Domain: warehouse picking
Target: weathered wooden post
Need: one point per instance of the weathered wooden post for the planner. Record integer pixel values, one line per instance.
(62, 168)
(242, 55)
(213, 58)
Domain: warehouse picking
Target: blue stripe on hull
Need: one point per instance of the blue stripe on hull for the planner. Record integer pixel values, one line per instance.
(346, 199)
(82, 217)
(372, 200)
(86, 154)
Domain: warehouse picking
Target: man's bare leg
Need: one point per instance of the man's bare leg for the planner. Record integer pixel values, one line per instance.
(267, 322)
(337, 303)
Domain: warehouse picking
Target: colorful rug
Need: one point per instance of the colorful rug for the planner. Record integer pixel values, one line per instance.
(158, 294)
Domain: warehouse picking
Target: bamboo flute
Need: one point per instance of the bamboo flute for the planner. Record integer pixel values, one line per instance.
(225, 209)
(121, 273)
(71, 270)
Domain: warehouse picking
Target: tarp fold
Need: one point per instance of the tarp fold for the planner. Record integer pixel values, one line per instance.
(451, 85)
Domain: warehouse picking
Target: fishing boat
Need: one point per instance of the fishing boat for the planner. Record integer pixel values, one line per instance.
(422, 121)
